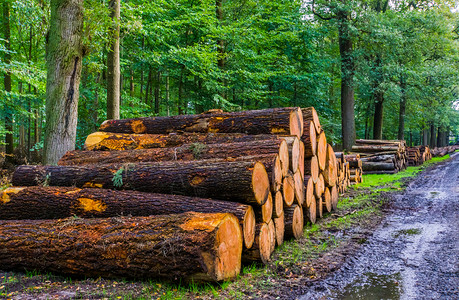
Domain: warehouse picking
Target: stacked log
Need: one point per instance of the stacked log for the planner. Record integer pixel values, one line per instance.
(442, 151)
(414, 156)
(425, 153)
(256, 168)
(381, 156)
(349, 170)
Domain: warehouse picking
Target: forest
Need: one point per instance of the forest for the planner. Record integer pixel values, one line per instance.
(372, 69)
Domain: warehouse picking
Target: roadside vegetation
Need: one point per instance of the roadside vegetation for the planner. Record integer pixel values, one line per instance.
(294, 265)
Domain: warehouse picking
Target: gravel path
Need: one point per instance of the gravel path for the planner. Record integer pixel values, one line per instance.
(415, 252)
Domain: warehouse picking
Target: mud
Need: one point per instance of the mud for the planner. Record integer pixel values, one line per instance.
(414, 254)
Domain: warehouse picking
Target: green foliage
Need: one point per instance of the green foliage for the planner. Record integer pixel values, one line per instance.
(118, 178)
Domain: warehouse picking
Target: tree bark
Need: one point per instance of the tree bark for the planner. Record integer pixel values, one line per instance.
(378, 96)
(190, 246)
(402, 111)
(63, 59)
(245, 181)
(19, 203)
(347, 79)
(267, 121)
(433, 136)
(113, 63)
(123, 141)
(9, 142)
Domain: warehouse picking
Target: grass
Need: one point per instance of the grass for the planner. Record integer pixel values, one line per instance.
(294, 263)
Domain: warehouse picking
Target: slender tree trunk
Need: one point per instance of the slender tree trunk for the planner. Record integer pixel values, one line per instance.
(141, 70)
(95, 105)
(147, 88)
(131, 83)
(425, 137)
(113, 64)
(64, 57)
(347, 80)
(180, 92)
(220, 44)
(167, 95)
(401, 115)
(440, 137)
(21, 127)
(378, 96)
(433, 139)
(9, 147)
(157, 91)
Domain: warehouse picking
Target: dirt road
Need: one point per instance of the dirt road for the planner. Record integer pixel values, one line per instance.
(415, 252)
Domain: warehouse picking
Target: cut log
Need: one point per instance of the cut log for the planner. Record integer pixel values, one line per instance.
(334, 197)
(311, 167)
(240, 181)
(322, 150)
(190, 246)
(278, 204)
(264, 213)
(319, 187)
(285, 120)
(294, 221)
(319, 207)
(18, 203)
(326, 199)
(122, 141)
(194, 151)
(374, 148)
(310, 114)
(294, 157)
(309, 139)
(288, 189)
(377, 166)
(309, 191)
(261, 249)
(330, 171)
(299, 188)
(301, 159)
(272, 235)
(312, 212)
(279, 225)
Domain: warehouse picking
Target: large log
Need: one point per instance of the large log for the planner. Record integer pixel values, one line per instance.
(374, 148)
(322, 150)
(330, 172)
(310, 114)
(285, 120)
(190, 246)
(309, 139)
(194, 151)
(294, 221)
(19, 203)
(378, 166)
(279, 224)
(124, 141)
(240, 181)
(261, 249)
(265, 212)
(311, 167)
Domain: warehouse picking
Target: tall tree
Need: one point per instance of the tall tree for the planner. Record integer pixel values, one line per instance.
(113, 64)
(64, 60)
(7, 81)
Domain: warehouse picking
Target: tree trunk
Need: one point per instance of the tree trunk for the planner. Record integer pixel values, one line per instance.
(167, 96)
(287, 120)
(113, 63)
(243, 181)
(347, 80)
(121, 141)
(62, 202)
(378, 96)
(401, 116)
(185, 152)
(63, 59)
(433, 136)
(190, 246)
(9, 142)
(157, 91)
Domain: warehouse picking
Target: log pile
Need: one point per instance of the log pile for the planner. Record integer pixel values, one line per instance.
(349, 170)
(415, 157)
(381, 156)
(184, 197)
(442, 151)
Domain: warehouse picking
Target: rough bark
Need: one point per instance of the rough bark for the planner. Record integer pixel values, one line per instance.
(191, 246)
(113, 63)
(378, 166)
(347, 79)
(402, 109)
(287, 121)
(121, 141)
(240, 181)
(310, 115)
(193, 151)
(64, 56)
(18, 203)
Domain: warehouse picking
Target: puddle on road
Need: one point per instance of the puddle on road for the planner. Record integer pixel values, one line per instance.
(372, 286)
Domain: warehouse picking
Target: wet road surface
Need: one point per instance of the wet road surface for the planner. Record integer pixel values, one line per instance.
(414, 254)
